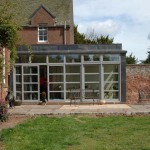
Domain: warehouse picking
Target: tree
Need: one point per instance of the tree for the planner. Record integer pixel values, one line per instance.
(104, 40)
(131, 59)
(147, 61)
(78, 37)
(90, 38)
(8, 29)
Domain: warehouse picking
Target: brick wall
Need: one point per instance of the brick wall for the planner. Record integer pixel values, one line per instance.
(29, 35)
(42, 17)
(137, 77)
(4, 82)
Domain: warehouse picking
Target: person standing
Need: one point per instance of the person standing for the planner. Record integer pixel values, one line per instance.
(43, 97)
(11, 99)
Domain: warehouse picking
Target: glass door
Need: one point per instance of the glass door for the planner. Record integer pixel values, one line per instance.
(30, 83)
(18, 85)
(56, 82)
(43, 80)
(73, 80)
(91, 80)
(111, 81)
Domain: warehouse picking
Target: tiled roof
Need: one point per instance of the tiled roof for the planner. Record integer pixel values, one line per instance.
(61, 9)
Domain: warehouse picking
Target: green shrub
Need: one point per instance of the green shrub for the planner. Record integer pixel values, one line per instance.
(3, 111)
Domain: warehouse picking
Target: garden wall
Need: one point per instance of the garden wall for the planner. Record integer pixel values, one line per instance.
(137, 78)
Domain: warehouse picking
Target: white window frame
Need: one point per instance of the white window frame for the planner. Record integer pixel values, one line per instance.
(44, 32)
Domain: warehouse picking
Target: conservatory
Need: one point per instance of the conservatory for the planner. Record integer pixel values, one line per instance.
(58, 69)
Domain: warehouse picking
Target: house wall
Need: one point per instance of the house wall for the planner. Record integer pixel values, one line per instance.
(6, 70)
(57, 34)
(42, 17)
(137, 77)
(35, 16)
(29, 35)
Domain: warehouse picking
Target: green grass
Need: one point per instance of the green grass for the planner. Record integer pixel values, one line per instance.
(79, 133)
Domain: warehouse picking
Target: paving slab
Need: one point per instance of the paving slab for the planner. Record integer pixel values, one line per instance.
(107, 109)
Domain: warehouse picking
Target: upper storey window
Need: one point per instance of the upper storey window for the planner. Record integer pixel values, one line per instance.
(42, 33)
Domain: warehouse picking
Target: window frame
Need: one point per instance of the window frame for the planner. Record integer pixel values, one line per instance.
(44, 30)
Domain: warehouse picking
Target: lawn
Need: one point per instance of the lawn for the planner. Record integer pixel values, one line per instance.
(79, 133)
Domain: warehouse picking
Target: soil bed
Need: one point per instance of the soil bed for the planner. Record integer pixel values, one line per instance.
(13, 120)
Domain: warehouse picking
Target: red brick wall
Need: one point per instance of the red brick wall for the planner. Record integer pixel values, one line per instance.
(4, 86)
(137, 77)
(42, 17)
(29, 35)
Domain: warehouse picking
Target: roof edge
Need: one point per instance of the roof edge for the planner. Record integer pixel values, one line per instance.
(42, 6)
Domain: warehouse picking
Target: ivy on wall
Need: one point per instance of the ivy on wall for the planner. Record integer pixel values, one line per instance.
(8, 33)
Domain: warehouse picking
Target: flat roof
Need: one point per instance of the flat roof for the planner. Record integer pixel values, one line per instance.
(71, 49)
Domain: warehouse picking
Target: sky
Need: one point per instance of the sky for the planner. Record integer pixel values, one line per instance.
(127, 21)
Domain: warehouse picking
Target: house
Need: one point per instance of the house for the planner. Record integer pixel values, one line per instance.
(46, 24)
(48, 60)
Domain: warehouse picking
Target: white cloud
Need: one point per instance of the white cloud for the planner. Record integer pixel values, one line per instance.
(136, 9)
(108, 27)
(128, 21)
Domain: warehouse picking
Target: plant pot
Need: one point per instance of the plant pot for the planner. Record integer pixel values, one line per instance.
(102, 102)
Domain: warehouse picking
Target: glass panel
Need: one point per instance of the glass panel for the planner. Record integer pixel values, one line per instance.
(92, 69)
(45, 38)
(18, 70)
(42, 27)
(111, 86)
(30, 78)
(27, 96)
(91, 57)
(56, 78)
(41, 33)
(55, 69)
(39, 59)
(22, 59)
(73, 58)
(91, 77)
(18, 78)
(70, 86)
(68, 95)
(18, 96)
(45, 32)
(111, 77)
(56, 87)
(72, 78)
(111, 68)
(91, 94)
(35, 96)
(18, 87)
(56, 95)
(30, 70)
(31, 96)
(72, 69)
(115, 95)
(56, 58)
(92, 86)
(111, 95)
(75, 93)
(41, 38)
(110, 57)
(31, 87)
